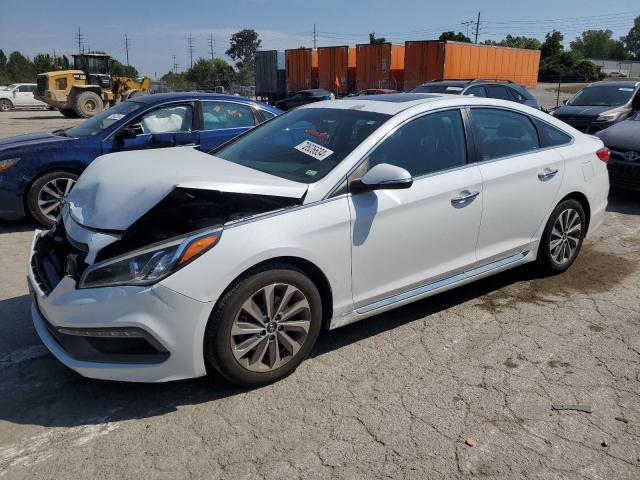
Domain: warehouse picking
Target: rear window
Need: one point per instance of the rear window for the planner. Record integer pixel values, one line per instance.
(302, 145)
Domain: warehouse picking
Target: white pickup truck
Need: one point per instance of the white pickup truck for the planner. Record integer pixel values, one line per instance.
(19, 95)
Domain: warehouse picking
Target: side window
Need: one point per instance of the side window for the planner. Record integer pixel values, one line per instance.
(477, 91)
(501, 133)
(551, 136)
(498, 91)
(431, 143)
(221, 115)
(266, 115)
(24, 88)
(516, 96)
(170, 119)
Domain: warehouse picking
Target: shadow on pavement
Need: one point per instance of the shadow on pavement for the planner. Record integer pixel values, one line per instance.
(22, 225)
(624, 201)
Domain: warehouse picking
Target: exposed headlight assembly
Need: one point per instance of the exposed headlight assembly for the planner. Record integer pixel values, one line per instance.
(150, 264)
(7, 163)
(608, 117)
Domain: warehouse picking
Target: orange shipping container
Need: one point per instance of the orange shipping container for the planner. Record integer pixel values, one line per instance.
(301, 69)
(379, 65)
(435, 60)
(336, 69)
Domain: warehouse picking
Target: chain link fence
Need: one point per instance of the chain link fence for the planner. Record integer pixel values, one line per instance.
(160, 86)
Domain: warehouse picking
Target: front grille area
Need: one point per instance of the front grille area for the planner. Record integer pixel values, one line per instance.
(623, 175)
(620, 154)
(42, 84)
(54, 257)
(583, 124)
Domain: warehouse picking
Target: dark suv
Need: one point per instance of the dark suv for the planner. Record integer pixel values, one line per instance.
(303, 97)
(506, 90)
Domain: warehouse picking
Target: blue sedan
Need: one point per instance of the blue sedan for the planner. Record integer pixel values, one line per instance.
(37, 171)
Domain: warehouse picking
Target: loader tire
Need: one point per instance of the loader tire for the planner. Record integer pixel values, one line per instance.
(87, 104)
(68, 112)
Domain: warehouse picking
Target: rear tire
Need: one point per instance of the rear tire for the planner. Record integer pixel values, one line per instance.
(47, 194)
(68, 112)
(562, 237)
(87, 104)
(5, 105)
(252, 351)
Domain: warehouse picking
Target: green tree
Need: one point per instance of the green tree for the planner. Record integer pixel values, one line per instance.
(552, 45)
(454, 37)
(201, 72)
(243, 46)
(118, 69)
(528, 43)
(598, 44)
(632, 40)
(3, 60)
(19, 68)
(376, 40)
(172, 77)
(223, 72)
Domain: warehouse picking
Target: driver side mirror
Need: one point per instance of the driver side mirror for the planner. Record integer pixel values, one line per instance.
(129, 132)
(565, 101)
(383, 177)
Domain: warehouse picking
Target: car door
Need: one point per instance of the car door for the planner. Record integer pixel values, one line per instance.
(165, 126)
(222, 121)
(23, 97)
(520, 180)
(402, 239)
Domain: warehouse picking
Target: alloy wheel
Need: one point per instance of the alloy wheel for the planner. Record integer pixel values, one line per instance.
(565, 236)
(270, 327)
(52, 195)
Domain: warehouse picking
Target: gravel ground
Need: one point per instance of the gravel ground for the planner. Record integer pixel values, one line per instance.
(396, 396)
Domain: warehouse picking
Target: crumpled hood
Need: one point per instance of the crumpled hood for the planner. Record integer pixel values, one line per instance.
(117, 189)
(580, 111)
(31, 140)
(624, 135)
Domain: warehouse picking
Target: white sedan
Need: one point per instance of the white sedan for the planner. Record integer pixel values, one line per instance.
(168, 261)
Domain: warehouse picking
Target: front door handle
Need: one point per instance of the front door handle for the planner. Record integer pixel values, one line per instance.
(464, 198)
(547, 174)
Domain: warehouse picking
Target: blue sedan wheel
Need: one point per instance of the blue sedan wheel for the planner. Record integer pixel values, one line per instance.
(47, 195)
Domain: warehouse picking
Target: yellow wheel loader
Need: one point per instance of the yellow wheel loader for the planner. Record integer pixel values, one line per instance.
(87, 89)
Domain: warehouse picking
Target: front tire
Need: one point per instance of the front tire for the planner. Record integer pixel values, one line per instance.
(562, 237)
(87, 104)
(5, 105)
(47, 195)
(264, 326)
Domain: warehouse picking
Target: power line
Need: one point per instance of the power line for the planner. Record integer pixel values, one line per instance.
(190, 45)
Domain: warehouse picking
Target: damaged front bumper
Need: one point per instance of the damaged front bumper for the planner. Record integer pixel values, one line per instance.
(141, 334)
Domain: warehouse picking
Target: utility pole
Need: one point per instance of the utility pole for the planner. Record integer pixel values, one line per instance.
(190, 44)
(175, 65)
(126, 46)
(79, 39)
(466, 24)
(212, 47)
(315, 37)
(477, 27)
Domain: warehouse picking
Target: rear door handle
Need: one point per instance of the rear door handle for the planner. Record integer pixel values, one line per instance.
(547, 174)
(464, 198)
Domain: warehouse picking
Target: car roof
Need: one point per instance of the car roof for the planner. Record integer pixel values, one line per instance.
(390, 103)
(618, 84)
(155, 98)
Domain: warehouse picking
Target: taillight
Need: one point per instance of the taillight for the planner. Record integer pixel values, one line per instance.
(603, 154)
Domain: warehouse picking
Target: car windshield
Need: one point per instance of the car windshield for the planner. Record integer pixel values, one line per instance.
(302, 145)
(438, 88)
(602, 96)
(104, 119)
(10, 87)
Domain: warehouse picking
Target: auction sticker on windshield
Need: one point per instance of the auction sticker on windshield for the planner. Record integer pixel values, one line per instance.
(314, 150)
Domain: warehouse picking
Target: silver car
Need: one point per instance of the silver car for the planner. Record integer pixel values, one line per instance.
(166, 261)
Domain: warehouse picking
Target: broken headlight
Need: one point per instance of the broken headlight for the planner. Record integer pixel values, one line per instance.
(150, 264)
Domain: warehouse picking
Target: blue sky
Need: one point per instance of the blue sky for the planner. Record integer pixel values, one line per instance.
(158, 29)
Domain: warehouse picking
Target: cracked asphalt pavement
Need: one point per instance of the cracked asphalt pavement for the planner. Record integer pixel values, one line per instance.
(396, 396)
